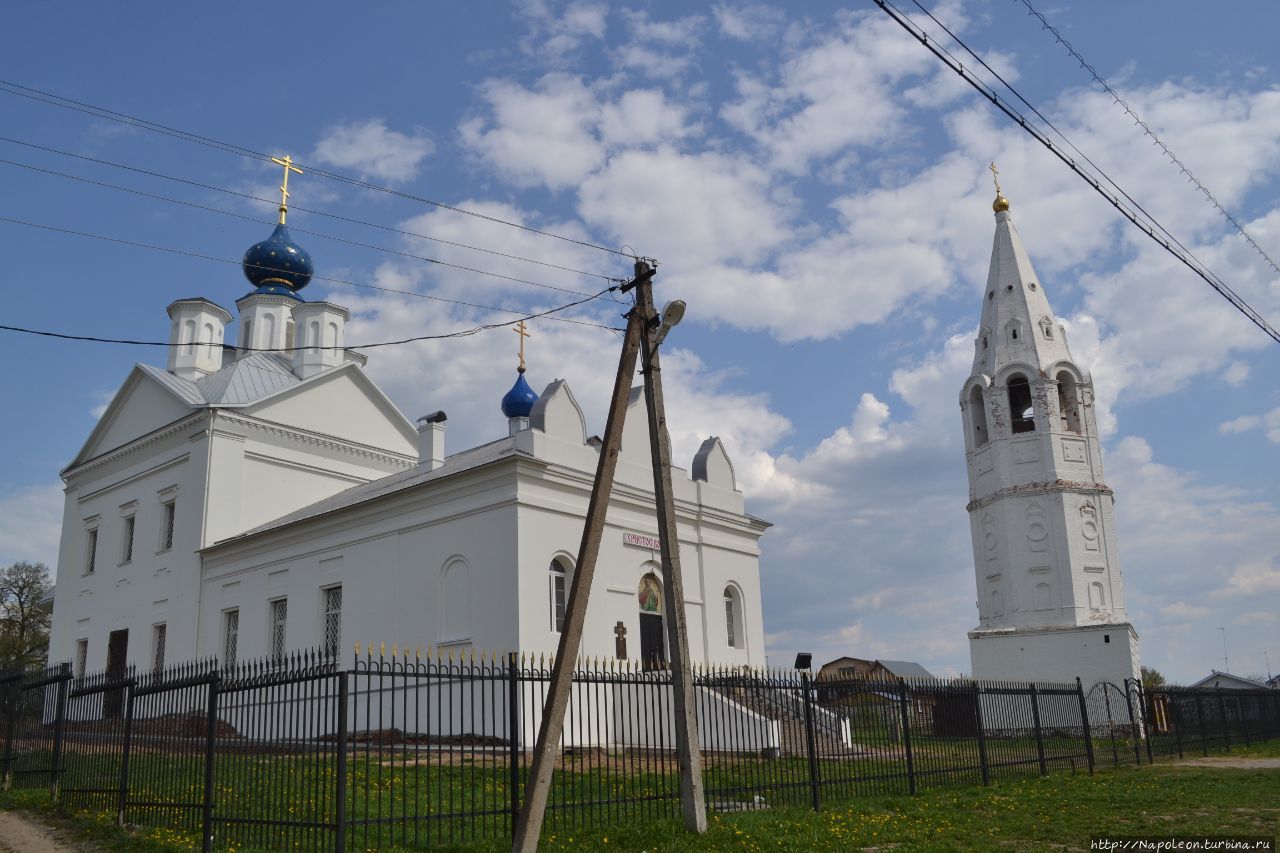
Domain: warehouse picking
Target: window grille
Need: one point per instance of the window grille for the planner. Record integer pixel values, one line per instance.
(230, 637)
(82, 657)
(557, 596)
(157, 647)
(332, 621)
(166, 538)
(279, 613)
(127, 553)
(93, 551)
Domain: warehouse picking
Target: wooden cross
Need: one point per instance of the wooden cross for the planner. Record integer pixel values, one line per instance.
(287, 162)
(995, 176)
(520, 330)
(620, 644)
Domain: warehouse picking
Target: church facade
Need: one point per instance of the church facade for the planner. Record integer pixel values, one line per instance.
(1051, 603)
(252, 500)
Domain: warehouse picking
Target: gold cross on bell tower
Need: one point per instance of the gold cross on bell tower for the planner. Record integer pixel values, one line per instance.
(995, 176)
(520, 330)
(287, 162)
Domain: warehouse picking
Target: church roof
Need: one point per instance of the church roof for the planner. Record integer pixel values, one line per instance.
(392, 484)
(238, 384)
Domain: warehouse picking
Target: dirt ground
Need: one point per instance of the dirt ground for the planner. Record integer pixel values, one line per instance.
(1241, 763)
(20, 833)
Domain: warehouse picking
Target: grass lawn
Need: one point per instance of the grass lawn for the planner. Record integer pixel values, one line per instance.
(1062, 811)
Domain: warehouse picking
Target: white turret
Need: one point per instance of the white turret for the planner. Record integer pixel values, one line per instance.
(1050, 592)
(195, 337)
(320, 335)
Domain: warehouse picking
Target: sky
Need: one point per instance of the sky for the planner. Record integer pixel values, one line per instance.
(811, 181)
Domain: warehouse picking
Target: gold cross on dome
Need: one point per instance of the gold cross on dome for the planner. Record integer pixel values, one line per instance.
(287, 162)
(520, 330)
(995, 176)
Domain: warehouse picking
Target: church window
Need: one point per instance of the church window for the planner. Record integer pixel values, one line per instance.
(978, 416)
(1014, 333)
(206, 334)
(455, 602)
(247, 343)
(1020, 406)
(1097, 600)
(556, 578)
(331, 336)
(991, 294)
(1068, 402)
(189, 335)
(733, 618)
(158, 636)
(984, 342)
(313, 332)
(332, 620)
(230, 637)
(126, 549)
(82, 657)
(997, 603)
(279, 615)
(1046, 328)
(168, 512)
(269, 324)
(290, 333)
(92, 547)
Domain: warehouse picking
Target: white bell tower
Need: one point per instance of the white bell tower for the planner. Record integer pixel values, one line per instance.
(1050, 592)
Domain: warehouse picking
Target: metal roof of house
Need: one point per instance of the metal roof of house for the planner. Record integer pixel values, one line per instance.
(238, 384)
(401, 480)
(1228, 681)
(905, 669)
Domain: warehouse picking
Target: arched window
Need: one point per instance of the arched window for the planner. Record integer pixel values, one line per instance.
(1097, 599)
(997, 603)
(331, 335)
(189, 335)
(314, 335)
(269, 324)
(290, 333)
(246, 341)
(206, 334)
(978, 416)
(1021, 410)
(1068, 402)
(455, 602)
(556, 583)
(734, 633)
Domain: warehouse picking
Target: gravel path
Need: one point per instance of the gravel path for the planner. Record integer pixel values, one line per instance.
(1241, 763)
(22, 834)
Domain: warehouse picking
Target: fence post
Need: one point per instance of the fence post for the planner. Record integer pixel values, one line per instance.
(210, 754)
(811, 746)
(1084, 722)
(340, 782)
(123, 799)
(59, 727)
(982, 735)
(1133, 726)
(1204, 737)
(1147, 712)
(1035, 716)
(906, 737)
(13, 702)
(1222, 713)
(513, 735)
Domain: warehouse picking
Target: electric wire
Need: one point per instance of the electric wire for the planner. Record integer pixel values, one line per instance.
(34, 94)
(294, 227)
(1000, 103)
(348, 282)
(1146, 129)
(460, 333)
(298, 208)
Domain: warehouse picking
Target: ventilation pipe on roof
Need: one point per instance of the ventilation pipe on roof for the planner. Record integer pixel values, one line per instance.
(431, 440)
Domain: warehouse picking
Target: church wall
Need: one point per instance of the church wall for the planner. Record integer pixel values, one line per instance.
(1058, 655)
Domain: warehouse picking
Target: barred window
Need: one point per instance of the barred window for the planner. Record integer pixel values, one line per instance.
(230, 637)
(279, 613)
(166, 526)
(93, 552)
(82, 657)
(126, 551)
(157, 647)
(332, 620)
(729, 618)
(557, 596)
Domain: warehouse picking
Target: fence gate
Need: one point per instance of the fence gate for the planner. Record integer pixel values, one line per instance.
(1115, 717)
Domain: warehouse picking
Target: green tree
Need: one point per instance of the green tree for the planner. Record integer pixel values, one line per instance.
(24, 623)
(1151, 678)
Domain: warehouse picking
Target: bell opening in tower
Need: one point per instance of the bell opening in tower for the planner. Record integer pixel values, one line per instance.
(1024, 413)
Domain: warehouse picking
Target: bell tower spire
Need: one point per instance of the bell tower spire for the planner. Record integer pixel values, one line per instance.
(1050, 593)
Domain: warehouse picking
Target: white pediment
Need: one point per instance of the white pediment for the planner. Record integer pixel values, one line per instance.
(141, 406)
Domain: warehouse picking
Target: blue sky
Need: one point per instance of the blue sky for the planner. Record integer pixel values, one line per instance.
(814, 185)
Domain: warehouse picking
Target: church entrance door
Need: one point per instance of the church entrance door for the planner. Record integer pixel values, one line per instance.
(652, 648)
(117, 654)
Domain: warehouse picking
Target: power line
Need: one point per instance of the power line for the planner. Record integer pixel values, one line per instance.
(1146, 128)
(296, 208)
(21, 91)
(294, 228)
(990, 94)
(190, 254)
(461, 333)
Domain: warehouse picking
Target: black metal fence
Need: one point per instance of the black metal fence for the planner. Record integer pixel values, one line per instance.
(395, 751)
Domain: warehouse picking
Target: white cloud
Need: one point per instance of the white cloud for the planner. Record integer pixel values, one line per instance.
(1269, 423)
(748, 22)
(1236, 374)
(31, 524)
(555, 34)
(373, 151)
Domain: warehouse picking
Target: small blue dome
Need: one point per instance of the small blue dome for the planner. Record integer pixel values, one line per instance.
(518, 402)
(277, 264)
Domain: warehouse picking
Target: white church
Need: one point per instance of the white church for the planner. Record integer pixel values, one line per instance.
(247, 501)
(1050, 592)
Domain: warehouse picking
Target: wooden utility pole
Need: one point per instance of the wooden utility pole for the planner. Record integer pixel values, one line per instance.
(529, 824)
(693, 805)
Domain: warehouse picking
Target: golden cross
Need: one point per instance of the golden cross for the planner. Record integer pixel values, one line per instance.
(520, 330)
(995, 176)
(287, 162)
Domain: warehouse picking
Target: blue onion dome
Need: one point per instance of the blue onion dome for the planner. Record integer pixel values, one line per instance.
(278, 265)
(518, 402)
